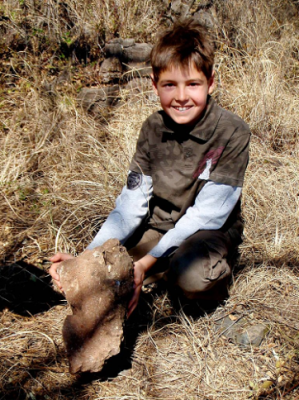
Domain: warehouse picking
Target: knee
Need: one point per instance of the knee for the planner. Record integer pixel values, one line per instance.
(191, 279)
(192, 287)
(196, 278)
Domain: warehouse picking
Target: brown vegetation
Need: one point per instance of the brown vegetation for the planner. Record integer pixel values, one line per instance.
(62, 167)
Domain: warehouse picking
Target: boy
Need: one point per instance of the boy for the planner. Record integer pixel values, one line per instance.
(180, 209)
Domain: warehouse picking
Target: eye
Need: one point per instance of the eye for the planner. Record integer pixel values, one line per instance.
(194, 84)
(168, 84)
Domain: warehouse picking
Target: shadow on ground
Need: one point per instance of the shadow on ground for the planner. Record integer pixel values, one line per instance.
(135, 325)
(26, 290)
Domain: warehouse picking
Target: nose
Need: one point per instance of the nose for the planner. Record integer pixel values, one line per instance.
(181, 94)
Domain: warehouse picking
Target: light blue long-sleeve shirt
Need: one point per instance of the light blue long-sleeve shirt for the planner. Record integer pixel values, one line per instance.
(212, 207)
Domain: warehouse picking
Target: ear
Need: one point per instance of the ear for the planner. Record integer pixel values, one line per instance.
(154, 83)
(212, 83)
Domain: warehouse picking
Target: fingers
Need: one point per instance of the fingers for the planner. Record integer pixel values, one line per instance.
(56, 260)
(53, 271)
(61, 257)
(55, 275)
(58, 284)
(134, 300)
(138, 281)
(132, 306)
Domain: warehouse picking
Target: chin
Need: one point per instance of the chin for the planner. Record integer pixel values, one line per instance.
(184, 121)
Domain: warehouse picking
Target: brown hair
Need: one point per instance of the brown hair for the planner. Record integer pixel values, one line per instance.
(184, 43)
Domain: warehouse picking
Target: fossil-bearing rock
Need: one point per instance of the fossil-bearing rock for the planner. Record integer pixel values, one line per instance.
(97, 285)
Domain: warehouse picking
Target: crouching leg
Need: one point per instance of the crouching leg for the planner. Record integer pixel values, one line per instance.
(201, 266)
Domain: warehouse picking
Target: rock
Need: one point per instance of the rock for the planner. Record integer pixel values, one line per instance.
(254, 335)
(102, 97)
(128, 43)
(125, 60)
(97, 285)
(140, 52)
(207, 18)
(113, 49)
(136, 59)
(110, 70)
(137, 70)
(241, 331)
(179, 9)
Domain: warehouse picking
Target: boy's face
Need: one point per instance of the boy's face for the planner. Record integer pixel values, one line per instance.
(183, 93)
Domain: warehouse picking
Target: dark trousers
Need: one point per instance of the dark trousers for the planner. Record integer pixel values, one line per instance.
(200, 268)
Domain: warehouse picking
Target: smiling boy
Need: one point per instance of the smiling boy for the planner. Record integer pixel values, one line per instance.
(179, 212)
(183, 93)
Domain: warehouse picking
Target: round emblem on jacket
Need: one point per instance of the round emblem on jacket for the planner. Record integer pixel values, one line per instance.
(134, 180)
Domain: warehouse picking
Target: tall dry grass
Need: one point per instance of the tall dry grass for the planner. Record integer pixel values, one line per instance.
(51, 29)
(258, 71)
(61, 169)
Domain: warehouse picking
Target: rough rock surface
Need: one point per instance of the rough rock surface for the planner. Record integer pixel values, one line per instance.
(242, 331)
(97, 285)
(123, 56)
(95, 99)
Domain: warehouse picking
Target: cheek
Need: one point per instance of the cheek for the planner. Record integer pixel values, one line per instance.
(165, 98)
(201, 98)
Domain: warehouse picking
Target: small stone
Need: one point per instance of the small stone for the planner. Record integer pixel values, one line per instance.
(242, 331)
(179, 9)
(254, 335)
(110, 65)
(138, 87)
(102, 96)
(206, 18)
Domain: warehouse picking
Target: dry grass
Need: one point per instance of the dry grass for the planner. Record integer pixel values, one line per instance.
(258, 74)
(78, 27)
(61, 169)
(176, 356)
(270, 207)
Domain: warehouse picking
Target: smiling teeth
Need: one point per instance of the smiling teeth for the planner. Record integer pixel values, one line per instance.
(182, 108)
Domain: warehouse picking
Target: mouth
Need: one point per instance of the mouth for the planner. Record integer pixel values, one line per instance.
(182, 109)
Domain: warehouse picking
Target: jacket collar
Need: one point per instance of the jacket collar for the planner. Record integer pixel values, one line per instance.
(203, 129)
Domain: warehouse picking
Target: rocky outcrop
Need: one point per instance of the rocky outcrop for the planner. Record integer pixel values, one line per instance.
(126, 61)
(97, 285)
(123, 56)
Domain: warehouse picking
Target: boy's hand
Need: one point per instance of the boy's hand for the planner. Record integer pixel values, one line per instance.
(139, 272)
(56, 260)
(140, 268)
